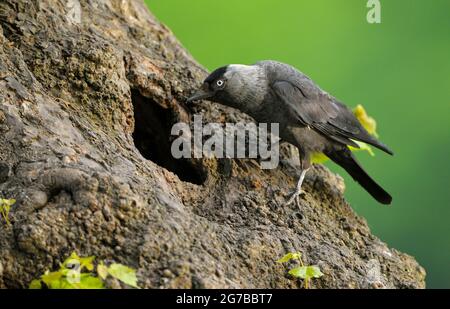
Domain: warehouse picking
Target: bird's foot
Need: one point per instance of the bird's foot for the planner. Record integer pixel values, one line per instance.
(295, 196)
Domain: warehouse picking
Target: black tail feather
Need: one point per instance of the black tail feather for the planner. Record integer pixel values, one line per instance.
(345, 159)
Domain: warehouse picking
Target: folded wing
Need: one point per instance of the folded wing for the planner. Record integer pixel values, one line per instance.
(321, 112)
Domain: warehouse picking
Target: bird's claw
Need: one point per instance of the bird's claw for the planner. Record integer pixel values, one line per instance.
(295, 196)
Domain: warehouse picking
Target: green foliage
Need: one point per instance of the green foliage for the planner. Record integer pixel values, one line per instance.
(123, 273)
(367, 122)
(102, 270)
(77, 273)
(290, 256)
(5, 207)
(306, 273)
(35, 284)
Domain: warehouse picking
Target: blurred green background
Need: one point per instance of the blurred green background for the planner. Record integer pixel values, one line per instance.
(399, 70)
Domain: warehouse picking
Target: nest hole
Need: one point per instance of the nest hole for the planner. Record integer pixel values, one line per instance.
(152, 138)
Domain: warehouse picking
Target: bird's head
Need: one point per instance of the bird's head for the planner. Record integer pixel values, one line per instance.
(240, 86)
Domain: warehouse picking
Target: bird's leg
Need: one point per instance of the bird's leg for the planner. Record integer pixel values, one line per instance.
(298, 189)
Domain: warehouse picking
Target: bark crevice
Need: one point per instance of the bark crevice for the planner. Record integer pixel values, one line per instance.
(152, 137)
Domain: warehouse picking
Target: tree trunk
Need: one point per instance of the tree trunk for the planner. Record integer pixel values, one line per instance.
(89, 91)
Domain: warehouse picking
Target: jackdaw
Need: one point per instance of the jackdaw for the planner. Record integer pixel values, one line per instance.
(308, 117)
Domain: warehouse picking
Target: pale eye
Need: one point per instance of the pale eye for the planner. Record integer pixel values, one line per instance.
(220, 83)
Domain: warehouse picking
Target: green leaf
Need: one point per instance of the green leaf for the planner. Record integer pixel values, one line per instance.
(5, 207)
(87, 262)
(102, 271)
(290, 256)
(298, 272)
(35, 284)
(83, 262)
(123, 273)
(57, 284)
(362, 146)
(64, 284)
(70, 275)
(9, 202)
(50, 278)
(72, 261)
(366, 121)
(90, 282)
(306, 272)
(313, 272)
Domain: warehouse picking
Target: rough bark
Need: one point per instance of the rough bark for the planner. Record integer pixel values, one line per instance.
(88, 93)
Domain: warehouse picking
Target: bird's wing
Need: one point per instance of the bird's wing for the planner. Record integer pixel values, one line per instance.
(323, 113)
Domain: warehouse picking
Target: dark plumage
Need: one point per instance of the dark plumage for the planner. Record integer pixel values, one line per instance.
(309, 118)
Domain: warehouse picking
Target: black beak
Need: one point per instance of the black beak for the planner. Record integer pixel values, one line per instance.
(201, 94)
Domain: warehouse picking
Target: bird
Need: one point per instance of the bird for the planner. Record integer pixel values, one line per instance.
(309, 118)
